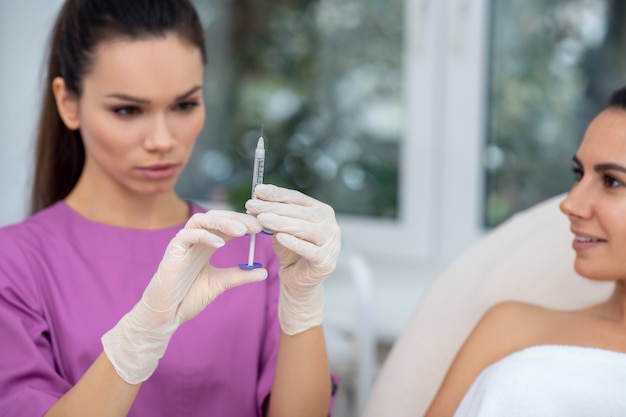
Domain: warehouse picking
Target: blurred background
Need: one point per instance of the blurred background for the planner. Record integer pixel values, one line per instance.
(424, 123)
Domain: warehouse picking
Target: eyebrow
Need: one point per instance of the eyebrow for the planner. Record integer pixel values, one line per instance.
(608, 166)
(138, 100)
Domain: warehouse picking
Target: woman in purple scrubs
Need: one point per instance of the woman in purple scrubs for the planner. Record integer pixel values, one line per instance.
(119, 298)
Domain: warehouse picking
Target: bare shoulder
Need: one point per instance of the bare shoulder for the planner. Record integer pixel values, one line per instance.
(505, 328)
(508, 327)
(515, 317)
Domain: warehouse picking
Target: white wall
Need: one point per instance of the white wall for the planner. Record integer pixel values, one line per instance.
(24, 27)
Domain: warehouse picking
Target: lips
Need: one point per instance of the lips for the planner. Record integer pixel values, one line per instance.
(584, 241)
(159, 171)
(157, 167)
(587, 239)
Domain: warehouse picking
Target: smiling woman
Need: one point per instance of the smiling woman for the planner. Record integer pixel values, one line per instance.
(597, 203)
(538, 347)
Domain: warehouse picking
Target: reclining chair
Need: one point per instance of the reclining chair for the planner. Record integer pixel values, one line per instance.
(528, 258)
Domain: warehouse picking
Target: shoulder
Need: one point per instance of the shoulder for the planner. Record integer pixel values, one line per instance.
(15, 238)
(505, 328)
(21, 250)
(510, 326)
(45, 221)
(508, 314)
(25, 243)
(29, 233)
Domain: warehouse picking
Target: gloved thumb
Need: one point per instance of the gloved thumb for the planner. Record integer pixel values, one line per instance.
(222, 279)
(211, 285)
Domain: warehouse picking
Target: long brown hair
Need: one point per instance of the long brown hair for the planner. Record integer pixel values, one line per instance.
(79, 28)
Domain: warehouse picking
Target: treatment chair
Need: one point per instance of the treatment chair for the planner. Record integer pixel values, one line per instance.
(349, 329)
(528, 258)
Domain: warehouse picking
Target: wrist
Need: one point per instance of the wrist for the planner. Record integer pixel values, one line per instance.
(300, 309)
(136, 343)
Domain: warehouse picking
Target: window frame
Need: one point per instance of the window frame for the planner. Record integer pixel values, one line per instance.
(441, 175)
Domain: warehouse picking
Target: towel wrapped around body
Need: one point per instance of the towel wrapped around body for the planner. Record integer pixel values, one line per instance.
(550, 380)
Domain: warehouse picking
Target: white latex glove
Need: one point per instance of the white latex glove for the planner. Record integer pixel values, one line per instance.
(307, 241)
(183, 285)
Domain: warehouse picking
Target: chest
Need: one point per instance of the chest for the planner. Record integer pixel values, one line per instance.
(550, 380)
(583, 330)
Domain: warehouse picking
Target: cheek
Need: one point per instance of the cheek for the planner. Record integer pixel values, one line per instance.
(616, 225)
(188, 128)
(103, 136)
(619, 244)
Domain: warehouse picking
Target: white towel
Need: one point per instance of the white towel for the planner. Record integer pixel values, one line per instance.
(550, 381)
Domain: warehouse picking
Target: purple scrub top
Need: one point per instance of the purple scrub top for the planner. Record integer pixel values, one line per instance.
(66, 280)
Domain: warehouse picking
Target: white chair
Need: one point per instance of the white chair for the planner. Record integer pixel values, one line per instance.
(528, 258)
(349, 328)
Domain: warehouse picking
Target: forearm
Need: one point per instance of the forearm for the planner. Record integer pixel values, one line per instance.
(302, 383)
(100, 392)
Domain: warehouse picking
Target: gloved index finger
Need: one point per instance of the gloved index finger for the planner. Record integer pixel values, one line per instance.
(187, 238)
(317, 213)
(269, 192)
(225, 223)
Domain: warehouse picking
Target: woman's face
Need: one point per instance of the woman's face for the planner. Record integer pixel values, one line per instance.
(596, 204)
(139, 114)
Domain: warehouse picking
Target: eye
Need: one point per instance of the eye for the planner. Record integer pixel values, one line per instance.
(126, 111)
(186, 106)
(578, 173)
(611, 182)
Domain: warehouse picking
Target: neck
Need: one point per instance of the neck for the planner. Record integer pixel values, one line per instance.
(127, 209)
(614, 308)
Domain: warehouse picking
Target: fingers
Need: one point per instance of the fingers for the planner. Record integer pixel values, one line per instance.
(268, 192)
(228, 222)
(224, 224)
(315, 213)
(223, 279)
(289, 211)
(303, 225)
(322, 256)
(289, 203)
(313, 224)
(187, 238)
(206, 289)
(218, 280)
(314, 232)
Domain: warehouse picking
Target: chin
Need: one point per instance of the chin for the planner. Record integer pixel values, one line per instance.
(154, 191)
(596, 271)
(153, 188)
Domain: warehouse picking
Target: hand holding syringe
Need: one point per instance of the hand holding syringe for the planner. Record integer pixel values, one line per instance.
(257, 178)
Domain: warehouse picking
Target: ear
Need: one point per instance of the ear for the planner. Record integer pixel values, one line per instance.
(67, 104)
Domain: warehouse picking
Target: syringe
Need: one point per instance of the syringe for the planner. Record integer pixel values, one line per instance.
(259, 165)
(257, 178)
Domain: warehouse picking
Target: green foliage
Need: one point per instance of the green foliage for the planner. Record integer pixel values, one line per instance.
(323, 80)
(553, 66)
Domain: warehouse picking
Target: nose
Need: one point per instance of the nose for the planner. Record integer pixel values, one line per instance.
(577, 203)
(159, 137)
